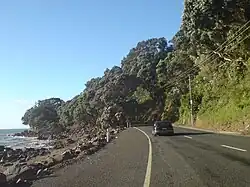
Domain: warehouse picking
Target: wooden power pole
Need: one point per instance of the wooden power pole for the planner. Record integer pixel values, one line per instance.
(191, 102)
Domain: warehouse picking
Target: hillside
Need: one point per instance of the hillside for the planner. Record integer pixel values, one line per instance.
(152, 81)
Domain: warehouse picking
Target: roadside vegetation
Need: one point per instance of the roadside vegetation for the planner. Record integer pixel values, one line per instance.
(152, 81)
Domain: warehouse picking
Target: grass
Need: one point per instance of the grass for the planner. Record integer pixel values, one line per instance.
(224, 107)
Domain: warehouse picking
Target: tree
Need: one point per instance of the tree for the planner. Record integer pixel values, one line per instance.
(44, 115)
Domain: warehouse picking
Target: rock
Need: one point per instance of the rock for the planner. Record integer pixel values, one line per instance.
(67, 155)
(17, 172)
(49, 162)
(43, 136)
(86, 146)
(95, 139)
(95, 143)
(58, 144)
(58, 158)
(8, 164)
(91, 150)
(39, 172)
(2, 147)
(81, 155)
(26, 133)
(23, 164)
(43, 151)
(24, 155)
(19, 181)
(79, 144)
(70, 141)
(77, 151)
(42, 172)
(27, 158)
(86, 136)
(22, 160)
(37, 166)
(2, 160)
(23, 183)
(114, 131)
(3, 179)
(27, 149)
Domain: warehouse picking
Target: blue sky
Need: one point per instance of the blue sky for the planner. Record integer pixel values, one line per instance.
(52, 47)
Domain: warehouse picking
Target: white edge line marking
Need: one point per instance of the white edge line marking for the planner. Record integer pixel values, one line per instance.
(235, 148)
(149, 166)
(188, 137)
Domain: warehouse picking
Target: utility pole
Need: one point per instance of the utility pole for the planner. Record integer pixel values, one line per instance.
(136, 114)
(191, 102)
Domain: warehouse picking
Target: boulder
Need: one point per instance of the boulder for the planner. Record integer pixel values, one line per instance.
(26, 133)
(96, 143)
(86, 136)
(58, 144)
(58, 158)
(10, 155)
(3, 179)
(67, 155)
(44, 136)
(8, 164)
(86, 146)
(2, 147)
(43, 151)
(91, 150)
(23, 183)
(78, 151)
(95, 139)
(17, 172)
(70, 141)
(49, 162)
(43, 172)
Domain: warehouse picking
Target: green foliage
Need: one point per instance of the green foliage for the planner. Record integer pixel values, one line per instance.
(221, 84)
(141, 95)
(143, 60)
(43, 115)
(152, 82)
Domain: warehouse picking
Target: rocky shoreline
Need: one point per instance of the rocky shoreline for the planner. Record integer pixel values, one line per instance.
(22, 166)
(26, 133)
(29, 133)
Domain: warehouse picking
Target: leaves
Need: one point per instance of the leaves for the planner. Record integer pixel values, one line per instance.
(152, 82)
(43, 114)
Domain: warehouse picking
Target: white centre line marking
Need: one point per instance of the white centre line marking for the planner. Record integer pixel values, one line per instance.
(189, 137)
(149, 166)
(235, 148)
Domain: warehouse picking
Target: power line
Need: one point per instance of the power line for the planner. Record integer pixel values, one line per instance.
(196, 65)
(227, 41)
(212, 61)
(189, 78)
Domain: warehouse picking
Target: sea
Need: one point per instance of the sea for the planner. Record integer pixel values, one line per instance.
(16, 142)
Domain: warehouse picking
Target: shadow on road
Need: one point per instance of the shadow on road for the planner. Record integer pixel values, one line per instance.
(190, 133)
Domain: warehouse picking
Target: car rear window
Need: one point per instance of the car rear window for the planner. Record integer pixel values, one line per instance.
(163, 124)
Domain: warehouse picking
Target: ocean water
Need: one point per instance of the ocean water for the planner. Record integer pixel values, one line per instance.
(16, 142)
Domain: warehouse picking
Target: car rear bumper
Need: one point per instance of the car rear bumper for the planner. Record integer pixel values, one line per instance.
(168, 132)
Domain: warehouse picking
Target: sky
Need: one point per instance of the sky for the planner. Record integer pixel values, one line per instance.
(51, 48)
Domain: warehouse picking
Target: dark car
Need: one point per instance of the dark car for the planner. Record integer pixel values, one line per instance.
(163, 128)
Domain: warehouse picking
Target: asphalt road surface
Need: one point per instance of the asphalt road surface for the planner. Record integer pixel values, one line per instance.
(190, 158)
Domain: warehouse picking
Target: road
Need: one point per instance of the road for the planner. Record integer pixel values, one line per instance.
(190, 158)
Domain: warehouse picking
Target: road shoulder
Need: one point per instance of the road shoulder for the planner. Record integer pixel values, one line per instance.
(212, 131)
(123, 162)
